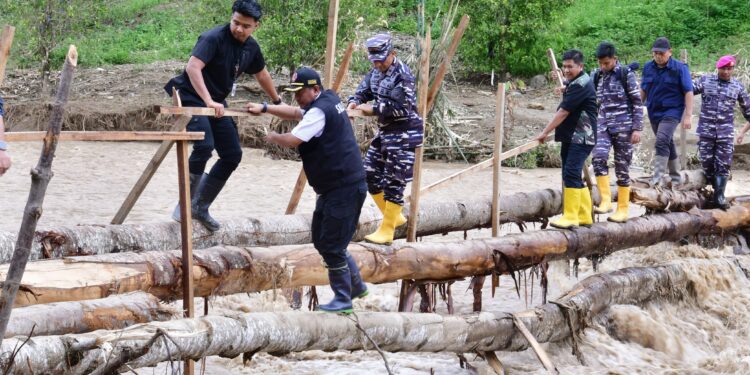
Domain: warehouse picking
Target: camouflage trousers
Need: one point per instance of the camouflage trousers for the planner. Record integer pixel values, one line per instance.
(623, 155)
(389, 163)
(716, 155)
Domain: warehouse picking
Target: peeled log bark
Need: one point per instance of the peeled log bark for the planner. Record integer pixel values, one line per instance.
(434, 218)
(113, 312)
(669, 200)
(228, 270)
(286, 332)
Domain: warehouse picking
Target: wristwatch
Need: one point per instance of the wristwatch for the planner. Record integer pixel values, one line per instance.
(265, 107)
(276, 102)
(3, 146)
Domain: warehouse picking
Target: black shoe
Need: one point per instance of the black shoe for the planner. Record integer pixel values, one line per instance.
(720, 185)
(208, 188)
(359, 288)
(195, 179)
(341, 283)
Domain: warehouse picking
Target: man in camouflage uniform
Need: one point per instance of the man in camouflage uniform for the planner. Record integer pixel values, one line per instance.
(720, 92)
(619, 126)
(574, 124)
(390, 159)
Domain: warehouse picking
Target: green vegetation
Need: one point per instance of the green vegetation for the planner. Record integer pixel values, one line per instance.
(504, 35)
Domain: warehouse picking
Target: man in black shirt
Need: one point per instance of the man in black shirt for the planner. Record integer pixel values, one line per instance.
(574, 124)
(219, 57)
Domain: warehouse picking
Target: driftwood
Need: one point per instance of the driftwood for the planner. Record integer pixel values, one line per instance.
(228, 270)
(286, 332)
(434, 218)
(40, 177)
(113, 312)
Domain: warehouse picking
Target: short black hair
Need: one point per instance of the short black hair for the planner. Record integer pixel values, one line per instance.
(573, 54)
(248, 8)
(605, 49)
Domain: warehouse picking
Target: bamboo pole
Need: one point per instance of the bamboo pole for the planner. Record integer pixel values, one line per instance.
(153, 165)
(683, 131)
(330, 55)
(443, 68)
(107, 136)
(299, 186)
(40, 177)
(6, 40)
(186, 235)
(424, 83)
(497, 163)
(538, 350)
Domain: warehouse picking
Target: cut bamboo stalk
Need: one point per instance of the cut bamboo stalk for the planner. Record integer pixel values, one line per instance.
(203, 111)
(443, 68)
(497, 163)
(107, 136)
(330, 55)
(6, 40)
(40, 178)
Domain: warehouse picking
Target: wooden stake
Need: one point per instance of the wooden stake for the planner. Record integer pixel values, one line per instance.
(330, 59)
(40, 177)
(422, 107)
(683, 131)
(443, 68)
(153, 165)
(186, 232)
(6, 40)
(538, 350)
(497, 163)
(107, 136)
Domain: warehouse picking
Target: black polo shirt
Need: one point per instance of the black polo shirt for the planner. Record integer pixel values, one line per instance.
(580, 100)
(225, 58)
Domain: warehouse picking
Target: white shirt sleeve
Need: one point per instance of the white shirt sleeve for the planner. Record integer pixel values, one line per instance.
(311, 125)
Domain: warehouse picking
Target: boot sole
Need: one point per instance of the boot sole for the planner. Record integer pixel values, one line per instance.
(362, 295)
(561, 227)
(377, 243)
(345, 311)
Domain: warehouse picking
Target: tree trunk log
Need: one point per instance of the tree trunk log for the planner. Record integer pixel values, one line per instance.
(40, 177)
(228, 270)
(286, 332)
(113, 312)
(273, 230)
(669, 200)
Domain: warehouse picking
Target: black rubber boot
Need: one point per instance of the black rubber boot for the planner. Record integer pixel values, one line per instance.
(195, 179)
(720, 185)
(208, 189)
(359, 288)
(341, 283)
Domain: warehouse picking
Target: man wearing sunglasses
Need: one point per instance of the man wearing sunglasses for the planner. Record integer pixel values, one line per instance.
(720, 93)
(390, 159)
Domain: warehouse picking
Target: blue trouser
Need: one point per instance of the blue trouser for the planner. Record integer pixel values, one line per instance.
(220, 134)
(389, 163)
(623, 154)
(335, 220)
(573, 156)
(716, 156)
(664, 130)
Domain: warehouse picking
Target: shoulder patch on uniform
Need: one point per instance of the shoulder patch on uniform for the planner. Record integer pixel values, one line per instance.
(583, 80)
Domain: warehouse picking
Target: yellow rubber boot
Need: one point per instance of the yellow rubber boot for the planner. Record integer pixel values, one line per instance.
(571, 205)
(605, 206)
(379, 199)
(584, 212)
(384, 234)
(623, 201)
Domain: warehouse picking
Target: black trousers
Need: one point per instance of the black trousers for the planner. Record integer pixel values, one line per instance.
(335, 220)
